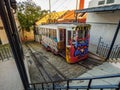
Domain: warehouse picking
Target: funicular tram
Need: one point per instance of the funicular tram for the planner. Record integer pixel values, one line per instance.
(69, 40)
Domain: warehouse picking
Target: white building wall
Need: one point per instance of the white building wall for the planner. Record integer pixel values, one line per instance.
(103, 24)
(104, 17)
(94, 3)
(104, 30)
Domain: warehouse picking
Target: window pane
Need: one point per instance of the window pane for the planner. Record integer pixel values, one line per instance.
(80, 34)
(110, 1)
(101, 2)
(69, 37)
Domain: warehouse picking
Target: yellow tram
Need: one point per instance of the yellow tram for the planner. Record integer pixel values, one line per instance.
(69, 40)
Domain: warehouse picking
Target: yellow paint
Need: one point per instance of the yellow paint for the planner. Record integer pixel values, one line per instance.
(68, 54)
(52, 17)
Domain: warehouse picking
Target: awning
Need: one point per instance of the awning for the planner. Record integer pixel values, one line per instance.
(100, 9)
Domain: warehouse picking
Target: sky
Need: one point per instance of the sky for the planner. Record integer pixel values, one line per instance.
(57, 5)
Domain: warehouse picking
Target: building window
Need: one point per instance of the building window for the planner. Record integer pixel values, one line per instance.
(110, 1)
(101, 2)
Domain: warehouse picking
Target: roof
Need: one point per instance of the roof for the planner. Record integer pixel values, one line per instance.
(100, 9)
(52, 17)
(70, 17)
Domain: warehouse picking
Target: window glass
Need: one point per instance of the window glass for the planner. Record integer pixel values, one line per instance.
(80, 34)
(86, 33)
(54, 35)
(47, 32)
(69, 37)
(101, 2)
(62, 34)
(110, 1)
(50, 33)
(43, 31)
(74, 37)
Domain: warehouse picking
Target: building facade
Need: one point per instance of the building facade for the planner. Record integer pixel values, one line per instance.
(103, 22)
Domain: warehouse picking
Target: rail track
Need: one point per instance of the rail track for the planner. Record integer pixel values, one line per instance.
(89, 63)
(54, 67)
(48, 71)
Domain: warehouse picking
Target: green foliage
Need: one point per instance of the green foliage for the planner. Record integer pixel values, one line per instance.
(28, 13)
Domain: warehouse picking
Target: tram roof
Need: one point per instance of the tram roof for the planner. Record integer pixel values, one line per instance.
(56, 26)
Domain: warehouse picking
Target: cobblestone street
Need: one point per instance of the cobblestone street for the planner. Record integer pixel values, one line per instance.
(68, 70)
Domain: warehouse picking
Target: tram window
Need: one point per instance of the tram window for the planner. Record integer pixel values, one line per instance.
(62, 34)
(44, 31)
(86, 33)
(69, 37)
(41, 30)
(47, 32)
(80, 34)
(50, 33)
(54, 33)
(74, 37)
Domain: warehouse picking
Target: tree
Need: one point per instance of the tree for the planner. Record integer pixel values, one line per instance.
(28, 12)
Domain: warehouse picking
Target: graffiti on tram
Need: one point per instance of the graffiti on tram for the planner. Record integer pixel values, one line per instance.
(49, 42)
(79, 50)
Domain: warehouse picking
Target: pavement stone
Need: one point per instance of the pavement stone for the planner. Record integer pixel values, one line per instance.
(104, 69)
(9, 76)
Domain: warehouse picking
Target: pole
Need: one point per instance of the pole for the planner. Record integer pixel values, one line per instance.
(11, 31)
(113, 41)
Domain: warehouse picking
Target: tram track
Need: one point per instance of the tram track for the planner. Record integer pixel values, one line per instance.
(68, 70)
(48, 71)
(89, 63)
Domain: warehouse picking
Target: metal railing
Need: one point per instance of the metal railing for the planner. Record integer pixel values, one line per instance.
(5, 52)
(57, 85)
(103, 49)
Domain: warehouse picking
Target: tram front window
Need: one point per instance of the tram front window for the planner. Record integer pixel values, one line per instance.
(69, 37)
(74, 37)
(80, 34)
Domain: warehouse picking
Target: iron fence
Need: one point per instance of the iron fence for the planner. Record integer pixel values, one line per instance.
(5, 52)
(68, 86)
(103, 49)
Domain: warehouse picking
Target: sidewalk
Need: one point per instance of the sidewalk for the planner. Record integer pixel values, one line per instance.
(104, 69)
(9, 76)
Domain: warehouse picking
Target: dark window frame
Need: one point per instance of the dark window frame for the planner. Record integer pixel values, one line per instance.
(110, 1)
(102, 2)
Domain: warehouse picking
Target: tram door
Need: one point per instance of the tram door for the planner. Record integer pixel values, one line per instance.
(63, 40)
